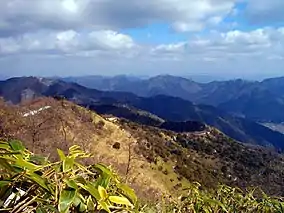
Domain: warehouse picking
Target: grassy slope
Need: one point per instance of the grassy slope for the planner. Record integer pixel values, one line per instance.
(89, 130)
(162, 162)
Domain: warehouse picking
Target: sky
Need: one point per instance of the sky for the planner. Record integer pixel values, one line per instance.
(222, 38)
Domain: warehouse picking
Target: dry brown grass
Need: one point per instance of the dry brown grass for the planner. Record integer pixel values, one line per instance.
(66, 124)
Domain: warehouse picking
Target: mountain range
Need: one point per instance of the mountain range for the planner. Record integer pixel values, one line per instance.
(258, 101)
(167, 108)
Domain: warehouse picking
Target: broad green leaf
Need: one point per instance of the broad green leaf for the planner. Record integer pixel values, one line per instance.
(38, 180)
(83, 207)
(120, 200)
(4, 183)
(61, 154)
(16, 145)
(77, 200)
(38, 159)
(103, 180)
(104, 169)
(66, 199)
(91, 189)
(81, 180)
(68, 164)
(104, 206)
(26, 165)
(128, 192)
(71, 184)
(102, 192)
(105, 175)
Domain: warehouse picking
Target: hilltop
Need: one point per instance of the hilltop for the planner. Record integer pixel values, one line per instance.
(154, 161)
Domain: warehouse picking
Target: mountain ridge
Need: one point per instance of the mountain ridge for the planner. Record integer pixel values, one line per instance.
(166, 107)
(249, 99)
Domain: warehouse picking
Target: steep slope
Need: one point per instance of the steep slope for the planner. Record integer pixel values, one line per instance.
(152, 160)
(64, 124)
(166, 107)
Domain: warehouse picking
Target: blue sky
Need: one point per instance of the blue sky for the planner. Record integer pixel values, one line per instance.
(219, 38)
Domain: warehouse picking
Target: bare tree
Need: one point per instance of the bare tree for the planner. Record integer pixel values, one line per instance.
(131, 158)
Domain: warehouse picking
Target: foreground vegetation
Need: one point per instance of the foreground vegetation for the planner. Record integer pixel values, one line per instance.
(30, 183)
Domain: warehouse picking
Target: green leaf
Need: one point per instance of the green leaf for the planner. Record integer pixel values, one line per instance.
(90, 204)
(5, 146)
(105, 175)
(104, 206)
(71, 184)
(103, 180)
(41, 210)
(4, 183)
(216, 202)
(4, 164)
(104, 169)
(74, 148)
(120, 200)
(66, 199)
(26, 165)
(38, 159)
(68, 164)
(38, 180)
(61, 154)
(77, 200)
(128, 192)
(16, 145)
(91, 189)
(82, 207)
(102, 192)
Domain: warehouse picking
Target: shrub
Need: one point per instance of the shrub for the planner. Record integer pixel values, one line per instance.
(29, 183)
(223, 200)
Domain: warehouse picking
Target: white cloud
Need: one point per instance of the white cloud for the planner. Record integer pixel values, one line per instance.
(227, 50)
(19, 16)
(111, 39)
(66, 42)
(237, 45)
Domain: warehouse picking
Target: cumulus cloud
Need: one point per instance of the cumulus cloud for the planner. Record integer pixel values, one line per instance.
(235, 44)
(66, 42)
(18, 16)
